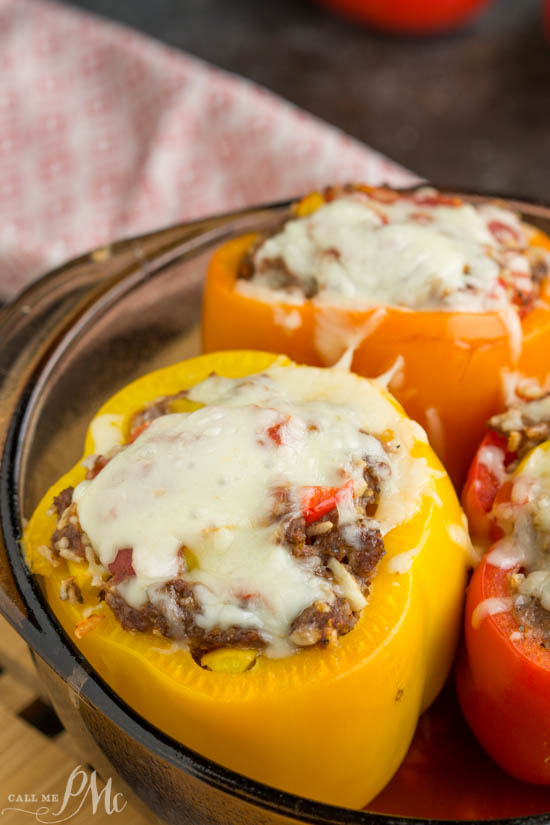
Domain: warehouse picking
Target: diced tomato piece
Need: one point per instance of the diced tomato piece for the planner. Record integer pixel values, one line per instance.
(122, 566)
(437, 199)
(421, 217)
(503, 233)
(504, 493)
(97, 467)
(138, 431)
(276, 432)
(318, 501)
(382, 195)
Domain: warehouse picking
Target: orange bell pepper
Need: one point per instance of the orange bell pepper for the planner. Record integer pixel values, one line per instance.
(331, 724)
(451, 377)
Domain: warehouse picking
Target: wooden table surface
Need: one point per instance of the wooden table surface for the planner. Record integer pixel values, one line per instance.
(36, 755)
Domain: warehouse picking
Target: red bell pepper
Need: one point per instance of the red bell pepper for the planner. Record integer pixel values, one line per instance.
(318, 501)
(503, 673)
(503, 680)
(482, 485)
(138, 431)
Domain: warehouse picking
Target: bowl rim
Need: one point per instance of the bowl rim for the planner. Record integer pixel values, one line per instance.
(41, 630)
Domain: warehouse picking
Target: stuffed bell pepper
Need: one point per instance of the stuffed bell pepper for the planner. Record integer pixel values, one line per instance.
(504, 670)
(267, 562)
(445, 293)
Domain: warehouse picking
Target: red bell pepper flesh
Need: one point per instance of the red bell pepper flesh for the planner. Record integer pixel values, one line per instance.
(437, 200)
(138, 431)
(504, 683)
(318, 501)
(121, 567)
(503, 233)
(482, 486)
(98, 466)
(276, 432)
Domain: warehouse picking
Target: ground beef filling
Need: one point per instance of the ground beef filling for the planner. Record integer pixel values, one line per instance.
(181, 626)
(161, 406)
(324, 540)
(69, 540)
(63, 500)
(175, 609)
(533, 619)
(523, 432)
(320, 623)
(281, 277)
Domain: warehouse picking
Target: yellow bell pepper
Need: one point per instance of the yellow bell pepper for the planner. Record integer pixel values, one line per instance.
(331, 724)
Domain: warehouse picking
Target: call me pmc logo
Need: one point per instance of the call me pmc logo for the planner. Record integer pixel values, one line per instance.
(81, 789)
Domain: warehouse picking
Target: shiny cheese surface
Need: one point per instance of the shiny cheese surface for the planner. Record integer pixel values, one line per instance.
(208, 481)
(531, 493)
(404, 253)
(527, 540)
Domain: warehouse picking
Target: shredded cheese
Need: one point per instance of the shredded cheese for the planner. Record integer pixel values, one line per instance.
(418, 252)
(208, 480)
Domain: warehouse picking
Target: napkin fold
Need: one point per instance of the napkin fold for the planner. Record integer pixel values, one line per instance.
(105, 134)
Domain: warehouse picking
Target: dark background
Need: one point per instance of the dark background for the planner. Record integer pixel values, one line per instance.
(466, 110)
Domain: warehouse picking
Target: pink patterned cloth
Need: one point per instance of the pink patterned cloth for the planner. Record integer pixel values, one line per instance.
(106, 134)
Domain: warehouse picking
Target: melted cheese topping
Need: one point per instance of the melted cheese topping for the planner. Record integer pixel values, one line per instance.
(106, 432)
(489, 607)
(207, 481)
(406, 253)
(492, 458)
(537, 411)
(527, 544)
